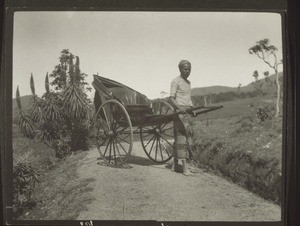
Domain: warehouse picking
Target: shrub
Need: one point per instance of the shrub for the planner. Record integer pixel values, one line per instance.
(62, 146)
(265, 112)
(24, 181)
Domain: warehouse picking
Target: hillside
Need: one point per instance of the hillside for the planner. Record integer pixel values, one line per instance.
(222, 89)
(211, 89)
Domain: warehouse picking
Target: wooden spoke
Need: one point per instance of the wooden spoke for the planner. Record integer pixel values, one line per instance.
(166, 149)
(149, 141)
(113, 143)
(160, 149)
(166, 141)
(167, 128)
(167, 135)
(156, 146)
(106, 148)
(119, 138)
(109, 156)
(106, 138)
(121, 146)
(122, 130)
(152, 146)
(119, 152)
(124, 138)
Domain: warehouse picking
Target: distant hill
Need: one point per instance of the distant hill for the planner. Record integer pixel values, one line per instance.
(25, 104)
(222, 89)
(211, 89)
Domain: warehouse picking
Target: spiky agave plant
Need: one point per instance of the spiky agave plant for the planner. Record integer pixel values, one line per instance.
(47, 114)
(76, 107)
(51, 106)
(37, 115)
(76, 110)
(23, 121)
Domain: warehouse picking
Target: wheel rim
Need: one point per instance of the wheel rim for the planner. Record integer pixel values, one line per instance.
(114, 132)
(158, 140)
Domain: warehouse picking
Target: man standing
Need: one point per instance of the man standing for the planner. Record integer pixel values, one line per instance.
(180, 97)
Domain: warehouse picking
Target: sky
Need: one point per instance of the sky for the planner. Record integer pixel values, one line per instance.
(142, 49)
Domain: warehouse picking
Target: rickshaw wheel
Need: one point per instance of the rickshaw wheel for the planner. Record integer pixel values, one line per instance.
(158, 140)
(115, 134)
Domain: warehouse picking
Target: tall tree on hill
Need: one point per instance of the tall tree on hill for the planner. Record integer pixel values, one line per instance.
(255, 75)
(257, 84)
(239, 87)
(267, 78)
(268, 53)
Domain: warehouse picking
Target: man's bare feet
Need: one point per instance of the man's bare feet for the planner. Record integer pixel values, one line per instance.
(173, 168)
(188, 173)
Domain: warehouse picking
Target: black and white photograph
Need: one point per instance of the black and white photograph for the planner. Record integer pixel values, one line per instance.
(147, 116)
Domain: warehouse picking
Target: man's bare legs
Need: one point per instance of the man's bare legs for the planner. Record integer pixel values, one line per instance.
(175, 164)
(184, 166)
(185, 169)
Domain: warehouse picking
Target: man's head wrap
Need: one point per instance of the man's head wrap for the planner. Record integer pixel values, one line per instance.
(183, 62)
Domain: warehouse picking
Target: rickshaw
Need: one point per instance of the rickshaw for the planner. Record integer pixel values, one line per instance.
(123, 115)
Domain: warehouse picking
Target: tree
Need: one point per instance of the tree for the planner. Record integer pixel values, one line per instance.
(268, 53)
(266, 74)
(62, 117)
(239, 88)
(255, 75)
(257, 84)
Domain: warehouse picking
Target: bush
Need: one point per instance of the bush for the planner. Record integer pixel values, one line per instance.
(62, 146)
(24, 180)
(265, 112)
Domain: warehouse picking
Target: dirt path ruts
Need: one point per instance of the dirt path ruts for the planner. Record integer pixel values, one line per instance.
(147, 191)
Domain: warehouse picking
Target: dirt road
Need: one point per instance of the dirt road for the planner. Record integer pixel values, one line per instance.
(147, 191)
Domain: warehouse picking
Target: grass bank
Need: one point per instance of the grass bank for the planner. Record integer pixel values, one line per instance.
(59, 194)
(244, 150)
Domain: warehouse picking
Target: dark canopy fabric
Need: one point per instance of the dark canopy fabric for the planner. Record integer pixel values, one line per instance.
(124, 93)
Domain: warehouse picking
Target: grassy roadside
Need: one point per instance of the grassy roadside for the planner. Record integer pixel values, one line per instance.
(60, 194)
(245, 151)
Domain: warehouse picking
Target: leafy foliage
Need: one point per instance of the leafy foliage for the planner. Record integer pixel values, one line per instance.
(26, 125)
(62, 117)
(265, 112)
(67, 73)
(62, 146)
(24, 180)
(255, 75)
